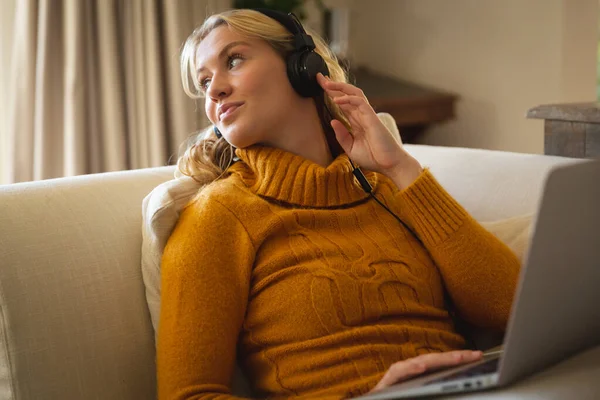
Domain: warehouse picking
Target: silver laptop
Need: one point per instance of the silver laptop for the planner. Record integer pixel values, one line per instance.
(556, 310)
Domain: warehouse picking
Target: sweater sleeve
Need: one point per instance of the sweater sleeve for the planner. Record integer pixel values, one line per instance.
(480, 272)
(205, 278)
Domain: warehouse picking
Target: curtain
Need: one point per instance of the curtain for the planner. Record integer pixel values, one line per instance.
(94, 86)
(7, 11)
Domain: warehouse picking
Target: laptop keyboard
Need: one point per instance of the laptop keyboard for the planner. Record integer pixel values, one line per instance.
(486, 367)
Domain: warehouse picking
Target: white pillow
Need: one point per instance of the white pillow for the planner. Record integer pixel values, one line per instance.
(515, 232)
(160, 212)
(162, 207)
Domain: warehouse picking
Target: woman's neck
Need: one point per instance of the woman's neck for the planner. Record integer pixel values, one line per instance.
(306, 137)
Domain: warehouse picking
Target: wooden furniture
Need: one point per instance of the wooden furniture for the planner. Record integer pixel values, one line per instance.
(413, 107)
(571, 130)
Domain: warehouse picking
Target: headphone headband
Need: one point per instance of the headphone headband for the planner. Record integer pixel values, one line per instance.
(301, 39)
(290, 21)
(303, 63)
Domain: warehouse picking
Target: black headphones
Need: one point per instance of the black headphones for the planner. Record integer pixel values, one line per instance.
(303, 63)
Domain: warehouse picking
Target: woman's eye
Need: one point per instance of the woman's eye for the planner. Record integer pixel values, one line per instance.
(234, 60)
(204, 83)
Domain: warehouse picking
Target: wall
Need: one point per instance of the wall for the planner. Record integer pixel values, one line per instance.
(501, 57)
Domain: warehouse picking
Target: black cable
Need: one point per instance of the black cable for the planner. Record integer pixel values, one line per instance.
(364, 183)
(369, 189)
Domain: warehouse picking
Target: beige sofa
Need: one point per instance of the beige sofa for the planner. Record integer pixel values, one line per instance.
(74, 323)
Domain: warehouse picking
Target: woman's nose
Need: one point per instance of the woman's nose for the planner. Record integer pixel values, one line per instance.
(218, 88)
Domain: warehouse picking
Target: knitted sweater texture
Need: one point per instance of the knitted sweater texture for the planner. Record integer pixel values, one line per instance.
(293, 271)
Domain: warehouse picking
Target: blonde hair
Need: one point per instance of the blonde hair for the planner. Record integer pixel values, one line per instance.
(207, 155)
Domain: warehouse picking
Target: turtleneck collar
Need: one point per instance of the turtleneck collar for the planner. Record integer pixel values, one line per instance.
(290, 178)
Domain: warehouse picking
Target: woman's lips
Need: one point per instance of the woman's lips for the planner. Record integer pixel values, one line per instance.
(229, 112)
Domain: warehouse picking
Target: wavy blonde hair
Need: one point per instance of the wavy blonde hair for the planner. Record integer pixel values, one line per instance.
(207, 156)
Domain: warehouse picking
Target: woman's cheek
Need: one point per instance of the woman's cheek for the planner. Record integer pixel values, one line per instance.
(210, 110)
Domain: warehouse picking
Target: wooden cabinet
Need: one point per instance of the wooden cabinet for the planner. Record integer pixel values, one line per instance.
(570, 130)
(413, 107)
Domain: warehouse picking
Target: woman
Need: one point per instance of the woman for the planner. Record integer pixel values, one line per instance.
(284, 263)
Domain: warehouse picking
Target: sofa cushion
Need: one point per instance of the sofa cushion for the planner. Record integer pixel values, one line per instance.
(74, 322)
(515, 232)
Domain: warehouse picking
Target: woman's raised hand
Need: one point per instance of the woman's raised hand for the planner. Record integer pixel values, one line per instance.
(369, 144)
(404, 370)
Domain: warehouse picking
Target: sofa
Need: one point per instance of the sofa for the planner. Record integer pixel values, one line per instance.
(74, 320)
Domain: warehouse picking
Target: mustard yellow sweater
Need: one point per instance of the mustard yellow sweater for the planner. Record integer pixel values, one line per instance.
(292, 269)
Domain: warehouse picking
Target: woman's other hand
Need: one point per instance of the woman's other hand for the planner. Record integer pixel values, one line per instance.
(369, 144)
(410, 368)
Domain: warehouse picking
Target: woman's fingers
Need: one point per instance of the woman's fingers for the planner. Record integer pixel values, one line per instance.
(400, 372)
(333, 93)
(349, 99)
(343, 87)
(346, 99)
(407, 369)
(439, 360)
(344, 138)
(355, 109)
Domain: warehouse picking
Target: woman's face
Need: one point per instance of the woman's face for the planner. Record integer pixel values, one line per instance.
(248, 95)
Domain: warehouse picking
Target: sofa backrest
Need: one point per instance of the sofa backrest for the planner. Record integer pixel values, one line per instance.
(492, 185)
(73, 317)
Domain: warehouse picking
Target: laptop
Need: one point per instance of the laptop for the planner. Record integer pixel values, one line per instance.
(555, 313)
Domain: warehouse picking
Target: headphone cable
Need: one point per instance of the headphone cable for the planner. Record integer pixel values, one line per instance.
(364, 183)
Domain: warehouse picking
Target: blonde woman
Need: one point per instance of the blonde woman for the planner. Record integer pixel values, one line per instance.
(321, 281)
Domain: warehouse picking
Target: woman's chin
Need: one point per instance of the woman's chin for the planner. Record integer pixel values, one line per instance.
(240, 138)
(243, 145)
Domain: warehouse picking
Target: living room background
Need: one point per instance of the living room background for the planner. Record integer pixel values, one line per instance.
(499, 58)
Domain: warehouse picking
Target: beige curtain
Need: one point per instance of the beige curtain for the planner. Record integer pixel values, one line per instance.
(7, 12)
(95, 86)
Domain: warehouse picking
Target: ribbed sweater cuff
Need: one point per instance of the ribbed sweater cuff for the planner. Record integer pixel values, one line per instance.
(430, 210)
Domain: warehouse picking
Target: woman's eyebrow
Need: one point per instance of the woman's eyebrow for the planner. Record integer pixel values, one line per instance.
(224, 50)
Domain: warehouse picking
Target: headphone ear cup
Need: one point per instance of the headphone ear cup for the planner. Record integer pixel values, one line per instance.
(303, 68)
(294, 75)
